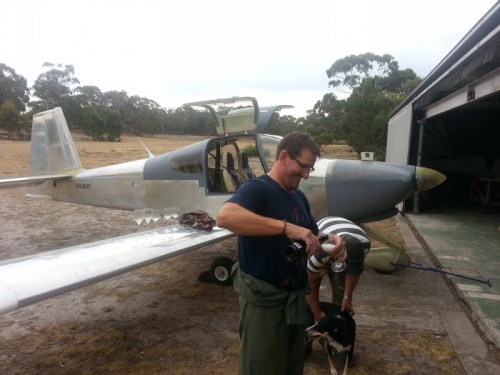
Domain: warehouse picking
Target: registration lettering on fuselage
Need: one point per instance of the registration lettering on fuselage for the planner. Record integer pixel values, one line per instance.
(82, 186)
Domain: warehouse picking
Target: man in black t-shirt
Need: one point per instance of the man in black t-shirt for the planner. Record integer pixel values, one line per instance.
(267, 213)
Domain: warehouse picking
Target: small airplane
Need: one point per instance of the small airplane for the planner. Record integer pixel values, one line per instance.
(200, 176)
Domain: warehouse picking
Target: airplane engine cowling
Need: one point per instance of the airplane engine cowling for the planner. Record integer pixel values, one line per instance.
(363, 191)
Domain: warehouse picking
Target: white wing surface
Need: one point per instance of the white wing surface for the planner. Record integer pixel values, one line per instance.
(31, 279)
(9, 183)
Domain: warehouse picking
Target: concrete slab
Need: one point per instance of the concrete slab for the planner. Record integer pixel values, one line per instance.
(454, 234)
(471, 349)
(402, 320)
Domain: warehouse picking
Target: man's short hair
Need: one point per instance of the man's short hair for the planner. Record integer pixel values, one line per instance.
(355, 255)
(294, 142)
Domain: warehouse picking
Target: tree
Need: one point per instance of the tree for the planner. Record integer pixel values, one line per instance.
(281, 125)
(350, 71)
(143, 115)
(367, 116)
(9, 118)
(53, 86)
(112, 127)
(328, 114)
(102, 123)
(75, 105)
(399, 82)
(377, 86)
(118, 100)
(13, 87)
(89, 95)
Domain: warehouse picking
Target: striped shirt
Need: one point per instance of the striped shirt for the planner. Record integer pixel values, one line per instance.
(338, 226)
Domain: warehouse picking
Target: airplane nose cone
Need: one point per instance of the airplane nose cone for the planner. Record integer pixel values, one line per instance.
(428, 178)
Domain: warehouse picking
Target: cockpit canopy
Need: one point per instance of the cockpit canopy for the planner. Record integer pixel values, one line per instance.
(238, 115)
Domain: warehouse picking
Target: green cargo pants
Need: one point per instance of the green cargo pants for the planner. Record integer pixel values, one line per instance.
(268, 346)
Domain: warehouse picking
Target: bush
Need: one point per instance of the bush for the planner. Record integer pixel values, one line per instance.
(250, 150)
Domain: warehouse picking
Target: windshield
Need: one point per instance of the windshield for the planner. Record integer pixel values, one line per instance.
(267, 145)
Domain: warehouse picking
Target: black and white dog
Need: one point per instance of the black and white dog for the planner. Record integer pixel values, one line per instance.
(336, 332)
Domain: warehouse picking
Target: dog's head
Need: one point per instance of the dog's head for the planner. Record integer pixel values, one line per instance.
(338, 330)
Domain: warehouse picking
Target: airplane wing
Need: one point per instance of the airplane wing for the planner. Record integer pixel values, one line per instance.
(31, 279)
(9, 183)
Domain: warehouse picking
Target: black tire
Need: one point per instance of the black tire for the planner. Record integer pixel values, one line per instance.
(221, 270)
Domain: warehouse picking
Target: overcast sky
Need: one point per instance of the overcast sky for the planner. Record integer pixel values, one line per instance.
(177, 51)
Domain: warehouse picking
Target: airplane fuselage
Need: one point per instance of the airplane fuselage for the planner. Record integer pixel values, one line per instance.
(203, 175)
(354, 189)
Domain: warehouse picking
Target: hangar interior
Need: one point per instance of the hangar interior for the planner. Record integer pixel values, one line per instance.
(453, 123)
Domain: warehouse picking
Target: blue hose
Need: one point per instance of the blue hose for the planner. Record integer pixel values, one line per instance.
(433, 269)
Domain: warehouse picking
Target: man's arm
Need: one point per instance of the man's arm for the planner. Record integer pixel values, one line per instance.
(350, 284)
(239, 220)
(242, 221)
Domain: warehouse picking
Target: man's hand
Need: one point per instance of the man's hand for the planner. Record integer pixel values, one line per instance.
(339, 251)
(347, 306)
(318, 315)
(295, 232)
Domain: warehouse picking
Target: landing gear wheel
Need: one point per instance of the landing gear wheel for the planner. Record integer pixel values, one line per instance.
(221, 271)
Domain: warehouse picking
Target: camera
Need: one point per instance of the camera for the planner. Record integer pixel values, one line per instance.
(298, 249)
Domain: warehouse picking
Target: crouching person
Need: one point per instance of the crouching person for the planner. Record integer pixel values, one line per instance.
(342, 283)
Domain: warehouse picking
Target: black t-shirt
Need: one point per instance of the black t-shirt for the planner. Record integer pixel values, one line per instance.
(262, 256)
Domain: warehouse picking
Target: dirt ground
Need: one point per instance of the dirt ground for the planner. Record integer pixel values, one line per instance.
(159, 319)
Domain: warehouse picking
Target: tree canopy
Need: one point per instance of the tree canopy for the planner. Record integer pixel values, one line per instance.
(101, 115)
(351, 70)
(375, 85)
(53, 86)
(13, 88)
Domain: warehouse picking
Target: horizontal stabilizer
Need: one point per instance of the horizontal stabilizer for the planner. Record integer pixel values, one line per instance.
(63, 270)
(9, 183)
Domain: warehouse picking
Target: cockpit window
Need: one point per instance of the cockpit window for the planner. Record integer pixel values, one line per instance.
(231, 162)
(187, 163)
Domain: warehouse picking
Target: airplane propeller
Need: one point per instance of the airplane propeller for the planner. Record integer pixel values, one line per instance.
(428, 178)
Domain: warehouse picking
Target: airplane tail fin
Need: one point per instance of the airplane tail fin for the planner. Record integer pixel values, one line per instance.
(52, 148)
(53, 154)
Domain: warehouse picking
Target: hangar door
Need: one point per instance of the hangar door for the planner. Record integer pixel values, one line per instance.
(398, 136)
(398, 139)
